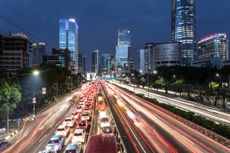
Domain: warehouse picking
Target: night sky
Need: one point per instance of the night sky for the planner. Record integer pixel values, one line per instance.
(99, 20)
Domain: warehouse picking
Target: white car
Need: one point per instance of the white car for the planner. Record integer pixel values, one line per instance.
(78, 136)
(55, 143)
(62, 130)
(105, 124)
(79, 109)
(75, 115)
(81, 103)
(87, 110)
(69, 122)
(85, 116)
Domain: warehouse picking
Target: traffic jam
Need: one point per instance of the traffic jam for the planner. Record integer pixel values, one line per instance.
(72, 134)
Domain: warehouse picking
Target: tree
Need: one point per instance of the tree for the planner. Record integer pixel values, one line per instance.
(179, 85)
(10, 96)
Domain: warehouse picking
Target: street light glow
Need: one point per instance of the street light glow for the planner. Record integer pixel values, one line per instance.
(36, 72)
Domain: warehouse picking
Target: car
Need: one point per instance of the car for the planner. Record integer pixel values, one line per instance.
(87, 109)
(69, 122)
(83, 125)
(4, 145)
(75, 115)
(62, 130)
(85, 116)
(82, 102)
(78, 136)
(79, 109)
(55, 143)
(106, 129)
(104, 124)
(72, 148)
(104, 119)
(102, 115)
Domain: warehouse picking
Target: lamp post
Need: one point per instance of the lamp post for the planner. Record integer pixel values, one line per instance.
(34, 102)
(148, 80)
(35, 73)
(134, 85)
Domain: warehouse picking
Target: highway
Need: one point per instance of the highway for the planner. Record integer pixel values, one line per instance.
(162, 132)
(208, 112)
(35, 134)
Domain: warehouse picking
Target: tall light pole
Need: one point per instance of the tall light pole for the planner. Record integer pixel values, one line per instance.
(35, 73)
(148, 80)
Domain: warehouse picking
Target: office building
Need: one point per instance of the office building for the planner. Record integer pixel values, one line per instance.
(68, 39)
(123, 52)
(81, 64)
(105, 63)
(96, 62)
(184, 28)
(212, 50)
(14, 52)
(59, 57)
(166, 54)
(38, 51)
(144, 61)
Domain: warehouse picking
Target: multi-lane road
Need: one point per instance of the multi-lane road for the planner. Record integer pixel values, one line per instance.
(208, 112)
(155, 131)
(144, 127)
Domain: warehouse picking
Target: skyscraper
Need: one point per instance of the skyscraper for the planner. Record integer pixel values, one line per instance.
(96, 62)
(68, 38)
(123, 51)
(184, 27)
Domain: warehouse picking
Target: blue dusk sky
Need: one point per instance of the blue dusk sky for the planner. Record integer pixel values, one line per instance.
(99, 21)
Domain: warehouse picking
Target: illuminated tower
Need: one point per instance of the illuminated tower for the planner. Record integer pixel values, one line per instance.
(68, 38)
(184, 28)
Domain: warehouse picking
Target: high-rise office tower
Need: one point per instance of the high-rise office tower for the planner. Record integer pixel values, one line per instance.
(68, 38)
(96, 62)
(123, 51)
(184, 28)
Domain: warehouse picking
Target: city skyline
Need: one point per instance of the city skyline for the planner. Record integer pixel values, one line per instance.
(147, 21)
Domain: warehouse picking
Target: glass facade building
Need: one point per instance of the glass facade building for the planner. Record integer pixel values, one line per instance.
(212, 50)
(122, 51)
(184, 28)
(68, 38)
(214, 45)
(105, 63)
(144, 61)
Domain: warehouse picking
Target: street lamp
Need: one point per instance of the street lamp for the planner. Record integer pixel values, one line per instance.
(217, 75)
(148, 80)
(36, 72)
(134, 82)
